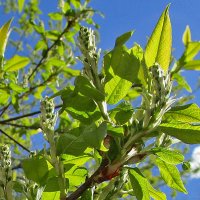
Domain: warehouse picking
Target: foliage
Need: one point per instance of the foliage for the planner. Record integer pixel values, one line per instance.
(101, 143)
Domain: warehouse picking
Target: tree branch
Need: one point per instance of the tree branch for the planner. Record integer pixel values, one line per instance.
(88, 183)
(15, 141)
(26, 115)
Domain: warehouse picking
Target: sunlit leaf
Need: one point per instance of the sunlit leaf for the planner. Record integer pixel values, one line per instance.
(15, 63)
(159, 45)
(170, 175)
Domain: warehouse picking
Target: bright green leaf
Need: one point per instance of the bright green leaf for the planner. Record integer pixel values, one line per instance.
(155, 194)
(182, 82)
(186, 36)
(170, 175)
(139, 184)
(15, 63)
(51, 195)
(79, 161)
(192, 65)
(169, 156)
(159, 45)
(116, 89)
(4, 34)
(55, 16)
(123, 38)
(20, 5)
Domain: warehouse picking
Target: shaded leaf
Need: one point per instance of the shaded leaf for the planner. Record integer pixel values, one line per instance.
(139, 184)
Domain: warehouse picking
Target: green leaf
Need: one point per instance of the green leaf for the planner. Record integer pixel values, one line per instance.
(55, 16)
(192, 65)
(40, 172)
(87, 195)
(186, 132)
(139, 184)
(84, 86)
(170, 175)
(79, 161)
(70, 144)
(168, 156)
(4, 34)
(155, 194)
(123, 38)
(93, 135)
(20, 5)
(15, 63)
(51, 195)
(122, 113)
(122, 62)
(76, 176)
(182, 122)
(186, 36)
(116, 89)
(187, 113)
(182, 82)
(159, 45)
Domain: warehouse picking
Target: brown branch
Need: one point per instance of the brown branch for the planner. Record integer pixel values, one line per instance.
(88, 183)
(15, 141)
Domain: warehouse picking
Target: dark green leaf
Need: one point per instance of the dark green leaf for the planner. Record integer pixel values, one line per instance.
(40, 171)
(84, 86)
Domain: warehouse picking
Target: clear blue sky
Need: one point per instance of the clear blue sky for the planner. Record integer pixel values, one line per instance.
(141, 15)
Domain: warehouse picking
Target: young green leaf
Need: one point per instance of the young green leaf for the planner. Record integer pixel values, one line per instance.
(186, 36)
(4, 34)
(169, 156)
(20, 5)
(15, 63)
(159, 45)
(51, 195)
(192, 65)
(170, 175)
(123, 38)
(155, 194)
(139, 184)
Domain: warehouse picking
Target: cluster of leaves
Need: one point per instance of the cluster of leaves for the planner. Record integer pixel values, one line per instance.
(102, 147)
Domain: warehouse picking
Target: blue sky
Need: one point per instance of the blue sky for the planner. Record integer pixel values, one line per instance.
(141, 15)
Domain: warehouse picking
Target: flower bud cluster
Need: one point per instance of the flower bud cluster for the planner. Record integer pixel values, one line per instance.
(88, 48)
(156, 97)
(48, 117)
(5, 157)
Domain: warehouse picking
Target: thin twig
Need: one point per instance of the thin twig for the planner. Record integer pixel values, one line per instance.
(26, 115)
(69, 25)
(15, 141)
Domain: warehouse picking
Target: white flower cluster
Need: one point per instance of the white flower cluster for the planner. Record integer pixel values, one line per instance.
(87, 45)
(156, 97)
(5, 157)
(48, 117)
